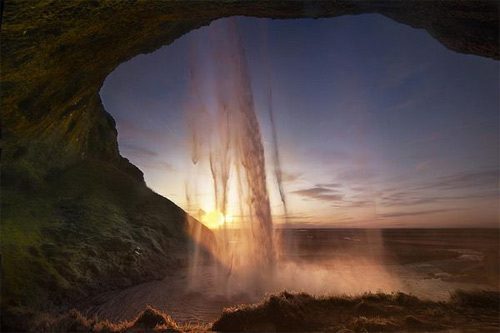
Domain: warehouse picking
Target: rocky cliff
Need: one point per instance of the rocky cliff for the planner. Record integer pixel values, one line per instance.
(77, 218)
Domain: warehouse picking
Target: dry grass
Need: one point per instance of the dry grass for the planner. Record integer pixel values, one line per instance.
(476, 299)
(149, 320)
(289, 312)
(300, 312)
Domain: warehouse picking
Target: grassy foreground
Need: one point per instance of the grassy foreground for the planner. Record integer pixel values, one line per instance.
(471, 311)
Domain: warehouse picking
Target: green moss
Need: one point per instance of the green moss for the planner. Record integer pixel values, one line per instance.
(75, 229)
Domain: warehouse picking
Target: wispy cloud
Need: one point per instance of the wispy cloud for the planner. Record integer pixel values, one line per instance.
(290, 177)
(475, 179)
(423, 166)
(409, 200)
(443, 133)
(415, 213)
(462, 186)
(132, 150)
(144, 157)
(320, 193)
(293, 217)
(129, 130)
(353, 203)
(330, 185)
(357, 174)
(402, 71)
(158, 165)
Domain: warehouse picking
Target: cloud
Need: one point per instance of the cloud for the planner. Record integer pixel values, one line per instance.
(423, 166)
(293, 217)
(290, 177)
(359, 174)
(359, 188)
(361, 203)
(158, 165)
(415, 213)
(132, 150)
(144, 157)
(329, 185)
(475, 179)
(406, 198)
(410, 201)
(330, 192)
(480, 125)
(320, 193)
(471, 185)
(401, 72)
(353, 204)
(130, 130)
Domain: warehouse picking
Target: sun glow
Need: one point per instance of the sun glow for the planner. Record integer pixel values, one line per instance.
(215, 219)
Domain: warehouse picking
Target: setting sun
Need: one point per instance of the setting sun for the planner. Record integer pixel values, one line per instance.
(215, 219)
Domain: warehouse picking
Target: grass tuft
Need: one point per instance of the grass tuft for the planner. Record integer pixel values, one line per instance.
(371, 312)
(300, 312)
(476, 298)
(152, 318)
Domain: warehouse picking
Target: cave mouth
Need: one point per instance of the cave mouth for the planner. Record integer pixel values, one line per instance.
(78, 221)
(375, 125)
(365, 107)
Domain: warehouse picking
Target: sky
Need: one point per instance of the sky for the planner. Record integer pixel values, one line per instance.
(378, 124)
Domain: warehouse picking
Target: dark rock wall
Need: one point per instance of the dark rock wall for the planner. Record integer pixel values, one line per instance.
(56, 54)
(77, 218)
